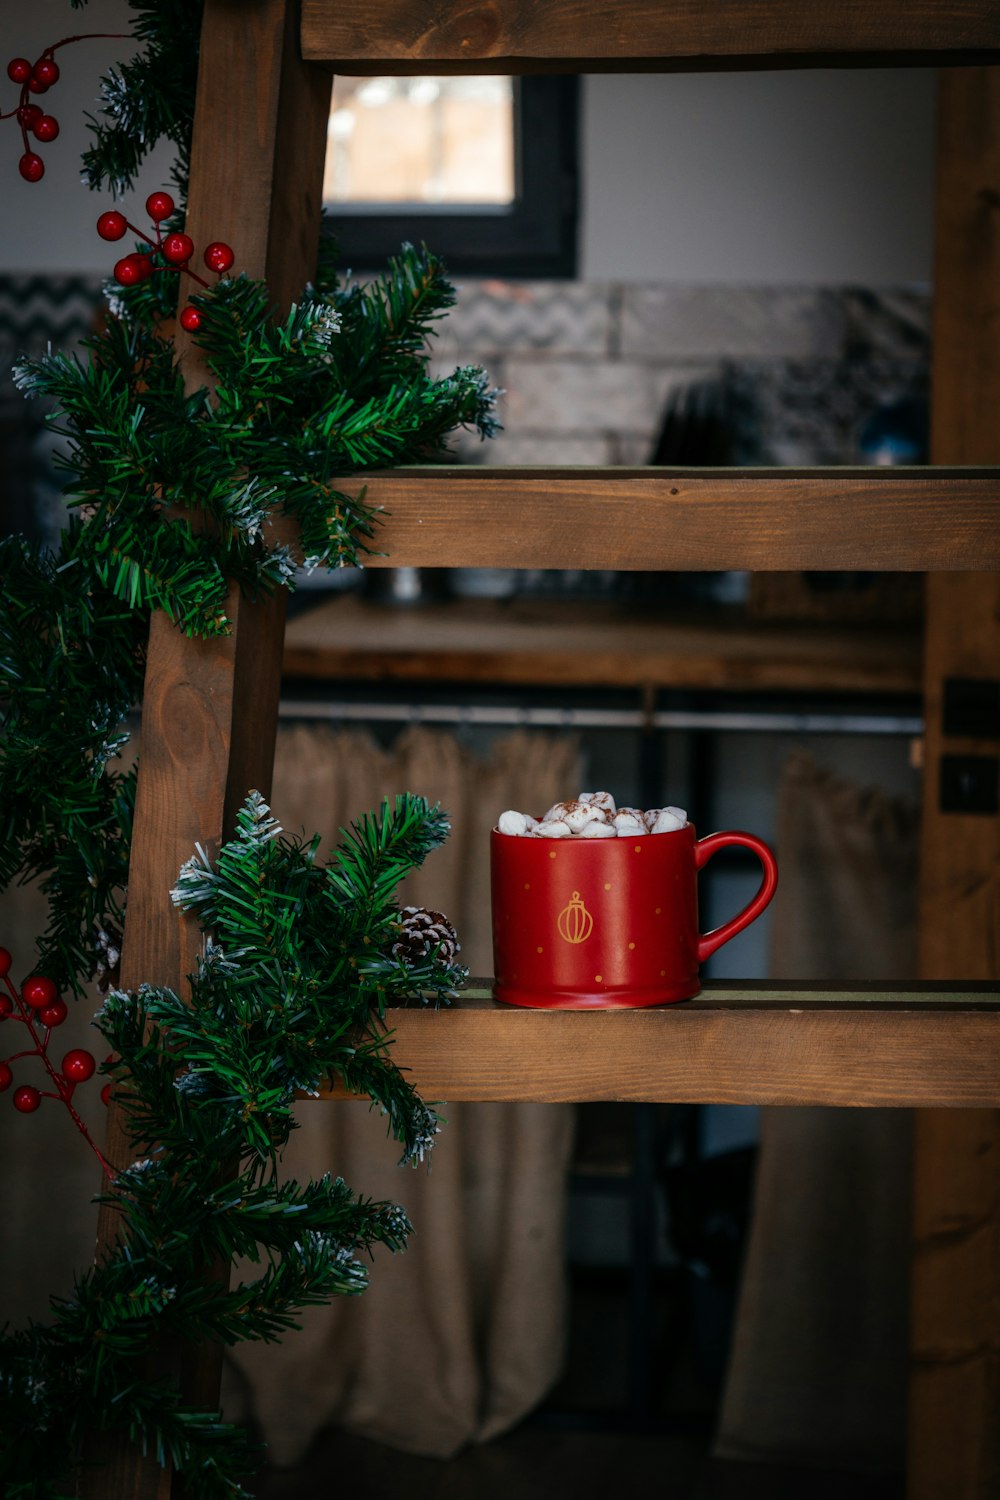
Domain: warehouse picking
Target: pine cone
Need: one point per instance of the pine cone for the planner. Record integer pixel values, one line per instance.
(107, 971)
(421, 932)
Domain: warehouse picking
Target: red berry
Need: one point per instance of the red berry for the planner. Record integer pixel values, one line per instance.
(6, 959)
(159, 206)
(38, 991)
(78, 1065)
(178, 248)
(112, 225)
(46, 128)
(190, 319)
(26, 1099)
(128, 270)
(27, 114)
(106, 1094)
(19, 70)
(145, 264)
(6, 1078)
(31, 167)
(219, 257)
(6, 1007)
(46, 71)
(54, 1014)
(37, 86)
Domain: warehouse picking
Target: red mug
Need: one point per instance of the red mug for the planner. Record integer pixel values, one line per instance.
(600, 923)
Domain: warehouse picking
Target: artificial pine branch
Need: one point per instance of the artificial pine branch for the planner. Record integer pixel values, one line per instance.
(285, 421)
(295, 404)
(213, 1080)
(149, 98)
(71, 665)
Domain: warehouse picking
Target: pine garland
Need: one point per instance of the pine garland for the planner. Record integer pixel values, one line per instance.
(172, 492)
(290, 995)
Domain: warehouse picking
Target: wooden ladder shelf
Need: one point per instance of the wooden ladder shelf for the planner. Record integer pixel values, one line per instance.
(210, 708)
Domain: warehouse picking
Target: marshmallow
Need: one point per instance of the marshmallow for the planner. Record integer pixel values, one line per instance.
(652, 813)
(579, 814)
(597, 831)
(592, 815)
(603, 800)
(668, 821)
(553, 828)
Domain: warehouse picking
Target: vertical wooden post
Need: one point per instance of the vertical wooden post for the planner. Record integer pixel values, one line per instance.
(954, 1442)
(210, 707)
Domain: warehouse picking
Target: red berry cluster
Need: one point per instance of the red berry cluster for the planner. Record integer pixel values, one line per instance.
(37, 78)
(39, 1005)
(167, 252)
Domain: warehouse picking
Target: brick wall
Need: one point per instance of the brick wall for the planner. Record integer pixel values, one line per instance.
(588, 369)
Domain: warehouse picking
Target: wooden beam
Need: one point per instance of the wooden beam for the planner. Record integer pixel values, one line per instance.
(210, 707)
(549, 642)
(894, 520)
(747, 1044)
(511, 36)
(954, 1442)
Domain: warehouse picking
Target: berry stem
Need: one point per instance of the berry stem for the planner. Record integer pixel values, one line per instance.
(153, 244)
(188, 271)
(88, 36)
(40, 1050)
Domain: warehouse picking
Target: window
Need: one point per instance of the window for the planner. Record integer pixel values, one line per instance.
(482, 168)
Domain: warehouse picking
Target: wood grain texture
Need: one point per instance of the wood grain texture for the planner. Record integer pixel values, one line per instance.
(896, 520)
(548, 642)
(954, 1440)
(748, 1044)
(587, 35)
(210, 707)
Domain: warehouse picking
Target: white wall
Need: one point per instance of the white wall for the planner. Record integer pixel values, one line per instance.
(48, 226)
(786, 177)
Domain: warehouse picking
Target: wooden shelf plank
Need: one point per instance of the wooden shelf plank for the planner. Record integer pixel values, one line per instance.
(894, 520)
(597, 644)
(511, 36)
(903, 1045)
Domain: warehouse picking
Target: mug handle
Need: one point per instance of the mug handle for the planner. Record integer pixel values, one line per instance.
(703, 851)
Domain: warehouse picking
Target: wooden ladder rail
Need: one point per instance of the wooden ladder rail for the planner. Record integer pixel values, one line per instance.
(954, 1426)
(210, 709)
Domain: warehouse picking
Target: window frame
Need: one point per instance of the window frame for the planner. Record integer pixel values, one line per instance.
(535, 236)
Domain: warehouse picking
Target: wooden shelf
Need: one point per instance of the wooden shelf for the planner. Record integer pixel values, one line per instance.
(511, 36)
(896, 520)
(598, 644)
(902, 1045)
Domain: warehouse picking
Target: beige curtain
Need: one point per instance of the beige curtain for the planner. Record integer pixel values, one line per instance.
(459, 1337)
(818, 1367)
